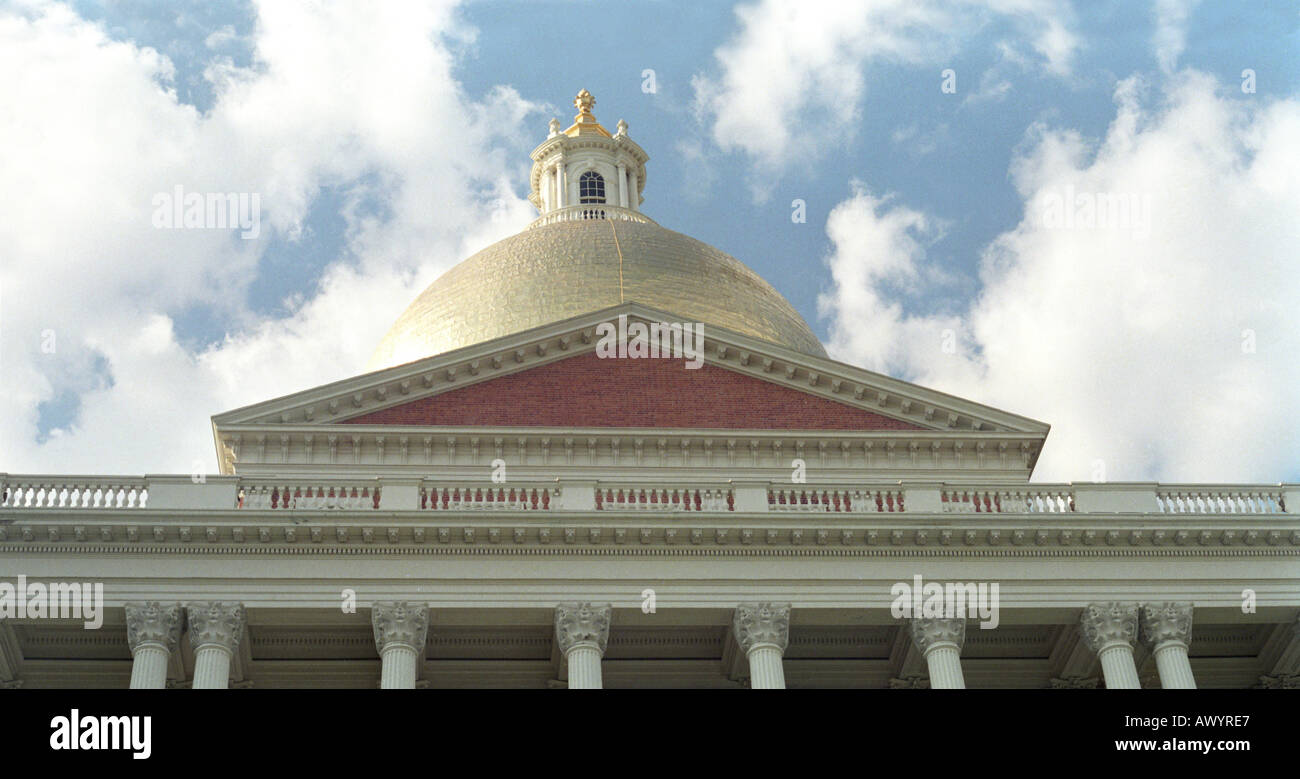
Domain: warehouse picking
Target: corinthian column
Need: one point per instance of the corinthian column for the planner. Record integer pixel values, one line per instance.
(215, 630)
(400, 632)
(940, 641)
(1109, 629)
(582, 632)
(152, 631)
(763, 631)
(1167, 629)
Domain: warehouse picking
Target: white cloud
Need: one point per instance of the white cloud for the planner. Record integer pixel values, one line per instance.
(790, 83)
(1135, 348)
(993, 87)
(1170, 37)
(361, 98)
(221, 37)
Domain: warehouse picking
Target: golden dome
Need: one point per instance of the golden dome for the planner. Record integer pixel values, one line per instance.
(552, 272)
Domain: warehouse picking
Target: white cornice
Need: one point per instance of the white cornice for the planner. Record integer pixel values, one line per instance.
(636, 534)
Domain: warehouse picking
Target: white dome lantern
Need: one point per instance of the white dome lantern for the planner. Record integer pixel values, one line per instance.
(586, 171)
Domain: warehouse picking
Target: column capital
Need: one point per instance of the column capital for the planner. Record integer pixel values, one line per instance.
(400, 624)
(1074, 683)
(582, 623)
(755, 624)
(1163, 623)
(1279, 682)
(930, 632)
(1107, 624)
(216, 623)
(153, 623)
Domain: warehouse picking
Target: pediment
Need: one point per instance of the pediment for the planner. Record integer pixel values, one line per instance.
(586, 390)
(452, 389)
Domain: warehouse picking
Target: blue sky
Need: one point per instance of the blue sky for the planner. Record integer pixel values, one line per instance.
(920, 203)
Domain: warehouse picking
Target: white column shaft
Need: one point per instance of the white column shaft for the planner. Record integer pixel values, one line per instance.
(149, 666)
(1118, 667)
(561, 184)
(631, 191)
(622, 186)
(1175, 669)
(584, 667)
(944, 662)
(211, 667)
(398, 672)
(766, 671)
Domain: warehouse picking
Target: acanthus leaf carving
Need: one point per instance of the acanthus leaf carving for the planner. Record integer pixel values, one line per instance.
(215, 622)
(400, 624)
(755, 624)
(582, 623)
(1163, 623)
(928, 632)
(153, 622)
(1106, 624)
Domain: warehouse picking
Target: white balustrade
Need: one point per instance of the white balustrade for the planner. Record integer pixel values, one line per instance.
(490, 497)
(1220, 500)
(837, 500)
(86, 493)
(1057, 499)
(73, 492)
(312, 495)
(590, 211)
(645, 498)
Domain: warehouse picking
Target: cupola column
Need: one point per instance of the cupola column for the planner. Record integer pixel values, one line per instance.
(622, 185)
(400, 633)
(561, 182)
(940, 641)
(153, 631)
(1167, 629)
(215, 631)
(581, 633)
(1109, 629)
(763, 631)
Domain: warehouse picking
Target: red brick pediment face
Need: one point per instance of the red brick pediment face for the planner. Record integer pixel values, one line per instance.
(586, 391)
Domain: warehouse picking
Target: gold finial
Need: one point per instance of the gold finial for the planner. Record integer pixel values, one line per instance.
(584, 123)
(583, 102)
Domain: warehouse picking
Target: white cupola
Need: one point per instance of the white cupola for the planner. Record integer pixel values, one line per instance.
(586, 169)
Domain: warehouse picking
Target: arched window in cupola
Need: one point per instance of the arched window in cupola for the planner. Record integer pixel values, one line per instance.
(591, 188)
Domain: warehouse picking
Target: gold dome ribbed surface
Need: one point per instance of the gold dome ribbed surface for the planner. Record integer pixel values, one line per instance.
(553, 272)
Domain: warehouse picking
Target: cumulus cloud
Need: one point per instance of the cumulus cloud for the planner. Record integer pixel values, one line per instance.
(360, 99)
(1170, 37)
(790, 83)
(1144, 305)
